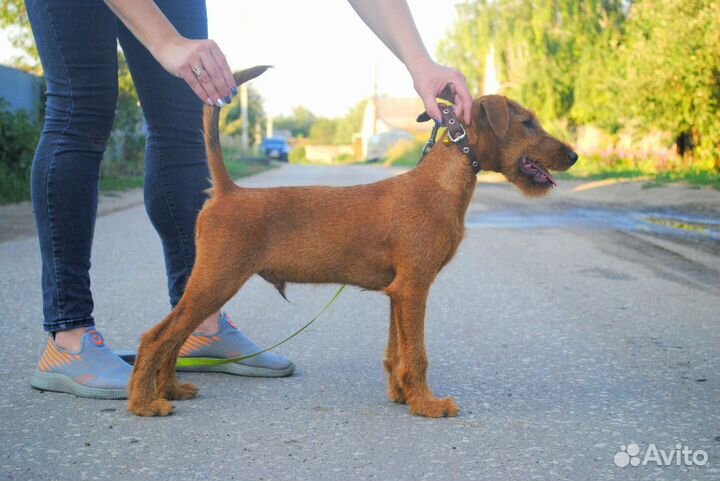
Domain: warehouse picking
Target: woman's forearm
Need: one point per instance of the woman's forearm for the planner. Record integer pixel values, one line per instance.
(145, 20)
(393, 24)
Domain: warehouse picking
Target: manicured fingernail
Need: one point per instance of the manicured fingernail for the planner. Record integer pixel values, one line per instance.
(220, 103)
(228, 99)
(209, 101)
(234, 91)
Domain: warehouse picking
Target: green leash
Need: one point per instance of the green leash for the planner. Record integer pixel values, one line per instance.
(207, 361)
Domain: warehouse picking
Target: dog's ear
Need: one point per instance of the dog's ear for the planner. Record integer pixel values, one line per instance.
(447, 94)
(249, 73)
(498, 114)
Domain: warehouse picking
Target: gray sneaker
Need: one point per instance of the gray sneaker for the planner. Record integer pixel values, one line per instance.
(95, 371)
(228, 343)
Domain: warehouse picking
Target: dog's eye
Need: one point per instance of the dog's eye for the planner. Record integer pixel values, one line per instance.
(529, 123)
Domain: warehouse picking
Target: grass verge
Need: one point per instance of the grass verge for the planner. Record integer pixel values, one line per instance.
(594, 169)
(693, 178)
(236, 168)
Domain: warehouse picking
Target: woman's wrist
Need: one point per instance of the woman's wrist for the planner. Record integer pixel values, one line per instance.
(160, 41)
(418, 62)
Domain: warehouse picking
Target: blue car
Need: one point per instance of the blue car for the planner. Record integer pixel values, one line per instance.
(275, 148)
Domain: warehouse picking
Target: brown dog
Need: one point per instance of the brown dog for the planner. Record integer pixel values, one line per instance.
(392, 236)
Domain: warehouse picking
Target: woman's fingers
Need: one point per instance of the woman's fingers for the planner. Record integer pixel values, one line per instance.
(189, 76)
(431, 107)
(222, 62)
(463, 99)
(215, 80)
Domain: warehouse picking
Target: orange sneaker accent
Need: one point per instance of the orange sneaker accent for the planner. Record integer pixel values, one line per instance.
(53, 357)
(96, 338)
(193, 343)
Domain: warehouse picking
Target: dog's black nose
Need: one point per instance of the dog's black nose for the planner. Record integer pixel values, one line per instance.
(572, 156)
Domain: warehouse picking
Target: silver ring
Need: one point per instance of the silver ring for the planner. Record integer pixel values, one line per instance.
(197, 71)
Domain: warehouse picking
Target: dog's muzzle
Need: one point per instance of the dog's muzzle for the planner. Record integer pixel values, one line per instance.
(536, 172)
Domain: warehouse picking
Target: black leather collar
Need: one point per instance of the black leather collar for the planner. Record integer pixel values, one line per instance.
(457, 135)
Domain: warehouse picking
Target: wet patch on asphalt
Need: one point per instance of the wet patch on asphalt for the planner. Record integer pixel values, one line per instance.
(665, 223)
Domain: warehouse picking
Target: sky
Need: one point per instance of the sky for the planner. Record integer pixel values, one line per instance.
(324, 55)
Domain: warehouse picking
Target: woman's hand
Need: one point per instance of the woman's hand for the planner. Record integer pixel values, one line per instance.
(199, 62)
(430, 78)
(202, 65)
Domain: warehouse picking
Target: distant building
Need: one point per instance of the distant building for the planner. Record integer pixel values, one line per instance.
(387, 119)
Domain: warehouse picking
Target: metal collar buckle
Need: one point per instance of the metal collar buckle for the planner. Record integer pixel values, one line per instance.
(460, 136)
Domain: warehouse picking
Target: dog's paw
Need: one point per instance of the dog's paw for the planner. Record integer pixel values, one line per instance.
(182, 392)
(157, 407)
(435, 408)
(396, 395)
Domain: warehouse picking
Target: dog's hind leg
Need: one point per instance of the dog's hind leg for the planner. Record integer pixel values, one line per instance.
(411, 370)
(154, 380)
(212, 283)
(392, 357)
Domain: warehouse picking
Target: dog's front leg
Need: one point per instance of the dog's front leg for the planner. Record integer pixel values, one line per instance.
(168, 386)
(392, 359)
(411, 370)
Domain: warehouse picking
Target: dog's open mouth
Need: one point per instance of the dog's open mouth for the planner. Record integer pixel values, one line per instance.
(536, 172)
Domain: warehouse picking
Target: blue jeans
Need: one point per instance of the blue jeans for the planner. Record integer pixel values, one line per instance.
(77, 42)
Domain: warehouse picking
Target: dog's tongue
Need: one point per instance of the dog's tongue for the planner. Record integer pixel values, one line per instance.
(536, 171)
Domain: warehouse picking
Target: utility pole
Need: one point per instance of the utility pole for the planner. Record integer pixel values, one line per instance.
(245, 137)
(269, 127)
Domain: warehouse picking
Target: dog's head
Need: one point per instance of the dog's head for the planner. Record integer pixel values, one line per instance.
(508, 138)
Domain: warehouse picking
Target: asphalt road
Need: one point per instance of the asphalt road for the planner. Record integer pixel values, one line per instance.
(565, 328)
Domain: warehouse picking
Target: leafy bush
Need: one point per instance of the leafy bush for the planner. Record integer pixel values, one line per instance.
(297, 155)
(405, 153)
(18, 139)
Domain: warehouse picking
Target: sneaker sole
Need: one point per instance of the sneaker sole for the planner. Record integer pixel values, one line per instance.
(238, 369)
(47, 381)
(229, 368)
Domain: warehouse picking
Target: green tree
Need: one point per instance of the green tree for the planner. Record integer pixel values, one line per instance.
(672, 64)
(323, 131)
(541, 46)
(468, 41)
(298, 123)
(350, 124)
(14, 19)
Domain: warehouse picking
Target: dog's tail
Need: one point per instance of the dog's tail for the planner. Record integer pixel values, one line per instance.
(221, 180)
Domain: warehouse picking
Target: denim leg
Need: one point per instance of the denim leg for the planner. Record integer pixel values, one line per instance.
(76, 40)
(176, 172)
